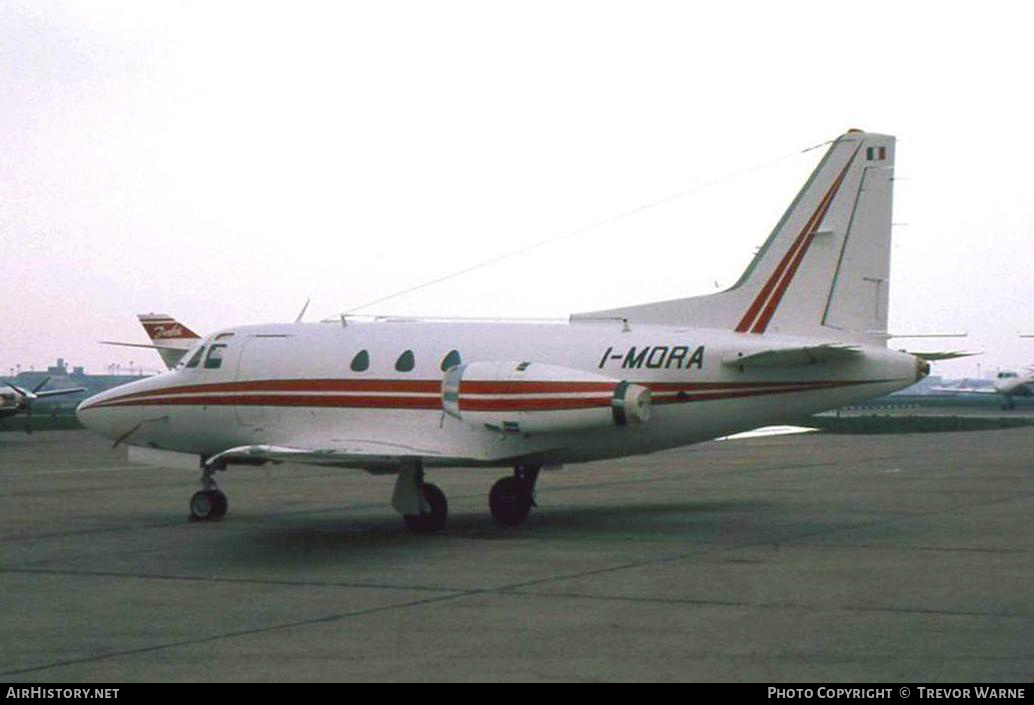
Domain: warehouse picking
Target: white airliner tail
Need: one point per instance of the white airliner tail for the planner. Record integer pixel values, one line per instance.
(823, 272)
(171, 338)
(168, 336)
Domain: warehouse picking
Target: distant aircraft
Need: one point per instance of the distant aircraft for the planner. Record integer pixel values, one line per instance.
(168, 336)
(803, 330)
(1011, 384)
(15, 399)
(1008, 384)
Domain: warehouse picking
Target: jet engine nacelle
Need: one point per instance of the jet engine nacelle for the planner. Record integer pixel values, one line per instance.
(530, 397)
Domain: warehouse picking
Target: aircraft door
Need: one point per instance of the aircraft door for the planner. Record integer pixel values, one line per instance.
(261, 361)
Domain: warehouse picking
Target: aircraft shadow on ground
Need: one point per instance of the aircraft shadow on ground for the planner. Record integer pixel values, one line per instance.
(315, 540)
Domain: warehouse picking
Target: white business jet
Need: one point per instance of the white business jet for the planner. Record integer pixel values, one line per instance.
(803, 330)
(1011, 384)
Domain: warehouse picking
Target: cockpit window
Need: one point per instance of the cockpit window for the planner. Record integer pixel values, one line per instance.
(215, 357)
(195, 359)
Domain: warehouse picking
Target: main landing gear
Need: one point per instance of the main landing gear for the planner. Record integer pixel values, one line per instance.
(209, 503)
(424, 508)
(513, 497)
(422, 505)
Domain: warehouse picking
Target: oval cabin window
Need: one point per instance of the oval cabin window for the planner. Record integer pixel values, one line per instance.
(361, 361)
(451, 360)
(405, 362)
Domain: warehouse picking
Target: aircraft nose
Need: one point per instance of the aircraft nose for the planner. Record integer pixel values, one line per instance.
(93, 418)
(82, 412)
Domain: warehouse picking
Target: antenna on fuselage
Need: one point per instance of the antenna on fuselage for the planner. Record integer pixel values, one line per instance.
(301, 313)
(586, 228)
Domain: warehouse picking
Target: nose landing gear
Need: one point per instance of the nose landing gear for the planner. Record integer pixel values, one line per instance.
(209, 503)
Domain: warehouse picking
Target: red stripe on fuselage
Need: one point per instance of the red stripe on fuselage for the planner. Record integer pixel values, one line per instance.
(374, 386)
(777, 297)
(793, 254)
(673, 393)
(531, 404)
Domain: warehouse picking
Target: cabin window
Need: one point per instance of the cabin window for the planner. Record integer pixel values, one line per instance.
(405, 362)
(214, 360)
(451, 360)
(361, 361)
(195, 360)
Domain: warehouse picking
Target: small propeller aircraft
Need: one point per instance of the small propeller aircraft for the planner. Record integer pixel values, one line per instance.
(803, 330)
(15, 399)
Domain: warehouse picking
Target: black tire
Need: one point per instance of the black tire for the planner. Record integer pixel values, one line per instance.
(510, 501)
(435, 520)
(202, 506)
(208, 505)
(221, 505)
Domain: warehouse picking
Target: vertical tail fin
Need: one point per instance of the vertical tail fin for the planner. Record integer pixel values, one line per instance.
(171, 338)
(824, 270)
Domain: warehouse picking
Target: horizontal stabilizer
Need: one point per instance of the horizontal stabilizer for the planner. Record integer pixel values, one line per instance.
(791, 356)
(946, 355)
(175, 348)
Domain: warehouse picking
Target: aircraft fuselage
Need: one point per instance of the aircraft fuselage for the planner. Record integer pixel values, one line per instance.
(379, 385)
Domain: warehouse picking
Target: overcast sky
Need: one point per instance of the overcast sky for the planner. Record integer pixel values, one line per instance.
(223, 162)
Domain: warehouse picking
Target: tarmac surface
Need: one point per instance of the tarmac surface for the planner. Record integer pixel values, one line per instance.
(794, 558)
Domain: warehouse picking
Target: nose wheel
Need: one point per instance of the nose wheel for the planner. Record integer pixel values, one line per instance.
(208, 505)
(512, 498)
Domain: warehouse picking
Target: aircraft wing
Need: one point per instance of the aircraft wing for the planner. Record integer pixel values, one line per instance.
(963, 390)
(790, 356)
(56, 392)
(364, 454)
(766, 431)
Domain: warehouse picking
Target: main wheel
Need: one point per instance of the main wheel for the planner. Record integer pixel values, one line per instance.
(433, 521)
(208, 505)
(510, 501)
